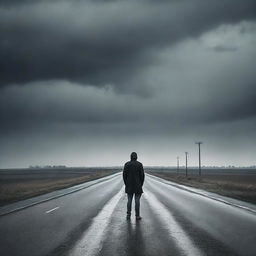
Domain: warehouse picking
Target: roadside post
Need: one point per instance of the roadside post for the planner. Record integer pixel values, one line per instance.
(178, 165)
(186, 153)
(199, 152)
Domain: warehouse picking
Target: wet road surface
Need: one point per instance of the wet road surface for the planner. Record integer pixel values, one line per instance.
(92, 222)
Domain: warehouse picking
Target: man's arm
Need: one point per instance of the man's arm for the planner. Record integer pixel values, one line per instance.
(142, 175)
(125, 174)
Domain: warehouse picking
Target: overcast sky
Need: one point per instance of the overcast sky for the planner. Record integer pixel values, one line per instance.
(85, 83)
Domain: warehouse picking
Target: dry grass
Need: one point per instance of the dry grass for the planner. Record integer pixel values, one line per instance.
(23, 189)
(242, 187)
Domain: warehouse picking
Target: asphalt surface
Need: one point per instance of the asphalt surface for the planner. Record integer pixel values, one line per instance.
(92, 221)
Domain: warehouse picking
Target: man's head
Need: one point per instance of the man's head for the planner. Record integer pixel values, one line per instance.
(134, 156)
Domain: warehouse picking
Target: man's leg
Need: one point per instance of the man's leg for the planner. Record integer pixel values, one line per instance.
(129, 204)
(137, 205)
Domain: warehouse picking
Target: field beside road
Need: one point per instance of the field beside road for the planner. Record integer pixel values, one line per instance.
(238, 184)
(19, 184)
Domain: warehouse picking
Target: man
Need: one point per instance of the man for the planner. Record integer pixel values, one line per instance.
(133, 176)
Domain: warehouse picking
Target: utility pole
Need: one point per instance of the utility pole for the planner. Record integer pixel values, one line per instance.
(199, 151)
(186, 153)
(178, 165)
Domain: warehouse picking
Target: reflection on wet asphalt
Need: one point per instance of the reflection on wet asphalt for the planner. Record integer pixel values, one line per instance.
(93, 222)
(167, 228)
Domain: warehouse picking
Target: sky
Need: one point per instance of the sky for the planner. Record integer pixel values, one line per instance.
(86, 82)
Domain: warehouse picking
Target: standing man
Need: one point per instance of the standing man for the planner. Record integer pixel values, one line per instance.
(133, 175)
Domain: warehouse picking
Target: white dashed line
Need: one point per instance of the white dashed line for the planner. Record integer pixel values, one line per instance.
(56, 208)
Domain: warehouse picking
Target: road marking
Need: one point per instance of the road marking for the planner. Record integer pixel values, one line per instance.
(56, 208)
(92, 240)
(203, 193)
(176, 232)
(63, 192)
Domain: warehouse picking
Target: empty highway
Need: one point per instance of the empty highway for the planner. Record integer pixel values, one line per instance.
(92, 221)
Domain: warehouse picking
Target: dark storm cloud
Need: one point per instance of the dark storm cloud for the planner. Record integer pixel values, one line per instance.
(62, 63)
(38, 106)
(221, 48)
(230, 108)
(106, 42)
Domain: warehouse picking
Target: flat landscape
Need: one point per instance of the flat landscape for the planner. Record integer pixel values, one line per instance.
(235, 183)
(92, 221)
(19, 184)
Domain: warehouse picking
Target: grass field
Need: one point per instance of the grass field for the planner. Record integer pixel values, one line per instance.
(21, 184)
(17, 185)
(239, 186)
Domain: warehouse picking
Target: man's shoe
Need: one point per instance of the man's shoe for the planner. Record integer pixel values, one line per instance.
(138, 218)
(128, 217)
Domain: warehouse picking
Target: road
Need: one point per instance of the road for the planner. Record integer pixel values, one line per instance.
(92, 221)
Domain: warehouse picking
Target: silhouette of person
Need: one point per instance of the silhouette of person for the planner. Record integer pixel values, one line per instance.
(133, 176)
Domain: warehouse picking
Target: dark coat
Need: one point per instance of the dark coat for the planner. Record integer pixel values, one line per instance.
(133, 175)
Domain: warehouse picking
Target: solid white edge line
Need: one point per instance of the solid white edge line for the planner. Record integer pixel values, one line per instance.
(100, 180)
(185, 188)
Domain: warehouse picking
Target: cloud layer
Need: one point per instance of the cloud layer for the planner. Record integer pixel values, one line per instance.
(126, 75)
(102, 42)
